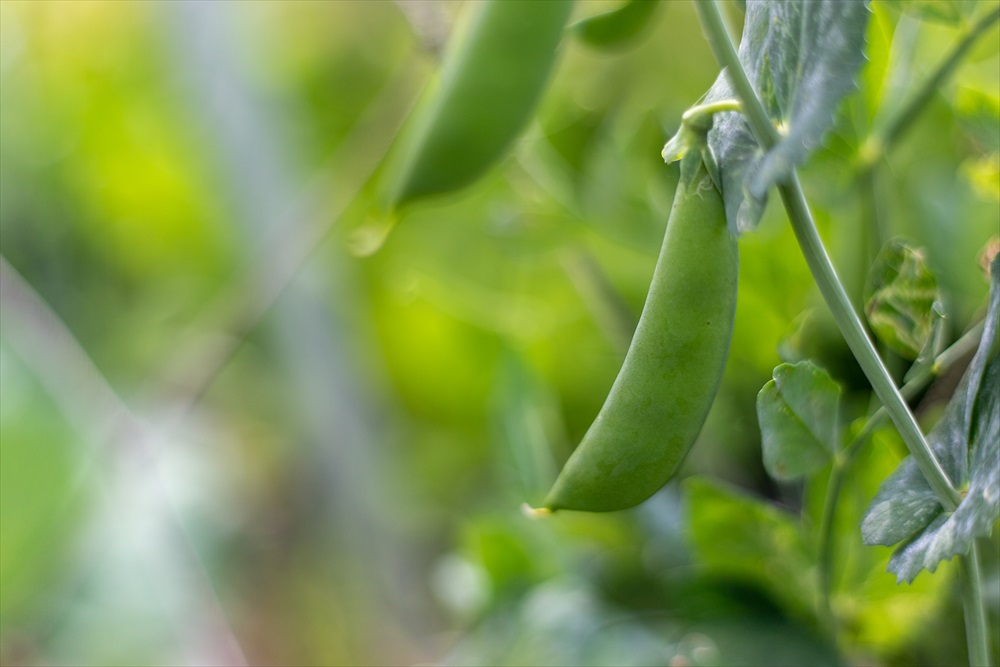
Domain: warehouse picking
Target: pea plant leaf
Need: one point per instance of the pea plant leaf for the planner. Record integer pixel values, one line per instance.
(797, 411)
(967, 443)
(742, 537)
(801, 57)
(617, 27)
(902, 300)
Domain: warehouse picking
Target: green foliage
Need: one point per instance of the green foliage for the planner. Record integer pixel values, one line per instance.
(798, 413)
(738, 536)
(41, 492)
(802, 58)
(345, 490)
(933, 10)
(903, 302)
(967, 442)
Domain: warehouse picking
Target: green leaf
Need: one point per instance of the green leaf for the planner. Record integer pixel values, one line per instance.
(940, 11)
(617, 27)
(902, 299)
(967, 442)
(797, 411)
(738, 536)
(801, 57)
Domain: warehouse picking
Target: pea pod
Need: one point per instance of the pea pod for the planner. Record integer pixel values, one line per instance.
(667, 383)
(491, 79)
(615, 28)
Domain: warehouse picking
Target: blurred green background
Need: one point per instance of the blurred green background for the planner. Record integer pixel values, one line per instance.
(337, 479)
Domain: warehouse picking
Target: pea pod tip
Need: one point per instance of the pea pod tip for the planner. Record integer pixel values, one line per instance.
(535, 512)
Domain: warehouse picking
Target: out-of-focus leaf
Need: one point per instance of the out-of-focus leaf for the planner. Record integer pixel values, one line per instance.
(979, 115)
(967, 442)
(738, 536)
(801, 57)
(798, 412)
(941, 11)
(39, 496)
(526, 423)
(983, 174)
(617, 27)
(574, 140)
(902, 299)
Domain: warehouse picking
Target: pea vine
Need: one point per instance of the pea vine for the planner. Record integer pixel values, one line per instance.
(920, 505)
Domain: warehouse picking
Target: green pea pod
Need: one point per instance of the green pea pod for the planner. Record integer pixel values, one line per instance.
(615, 28)
(666, 385)
(491, 79)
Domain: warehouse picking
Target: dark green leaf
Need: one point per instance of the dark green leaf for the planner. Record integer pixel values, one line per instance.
(902, 300)
(797, 411)
(967, 442)
(617, 27)
(742, 537)
(801, 57)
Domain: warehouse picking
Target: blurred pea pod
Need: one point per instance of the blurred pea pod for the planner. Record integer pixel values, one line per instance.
(493, 73)
(617, 27)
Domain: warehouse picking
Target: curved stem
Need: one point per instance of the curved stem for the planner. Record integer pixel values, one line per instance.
(822, 269)
(725, 53)
(961, 347)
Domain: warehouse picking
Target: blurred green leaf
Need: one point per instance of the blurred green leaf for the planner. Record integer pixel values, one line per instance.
(967, 442)
(942, 11)
(527, 423)
(798, 413)
(738, 536)
(617, 27)
(39, 498)
(802, 57)
(979, 115)
(902, 299)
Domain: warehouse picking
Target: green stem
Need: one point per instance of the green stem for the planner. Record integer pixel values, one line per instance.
(883, 139)
(960, 348)
(822, 269)
(725, 54)
(710, 109)
(825, 564)
(976, 631)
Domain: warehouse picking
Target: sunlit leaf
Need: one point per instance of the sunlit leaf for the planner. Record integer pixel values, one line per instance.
(902, 300)
(978, 114)
(798, 411)
(941, 11)
(801, 58)
(967, 443)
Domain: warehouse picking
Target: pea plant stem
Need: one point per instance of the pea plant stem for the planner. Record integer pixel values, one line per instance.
(847, 319)
(820, 265)
(842, 462)
(975, 613)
